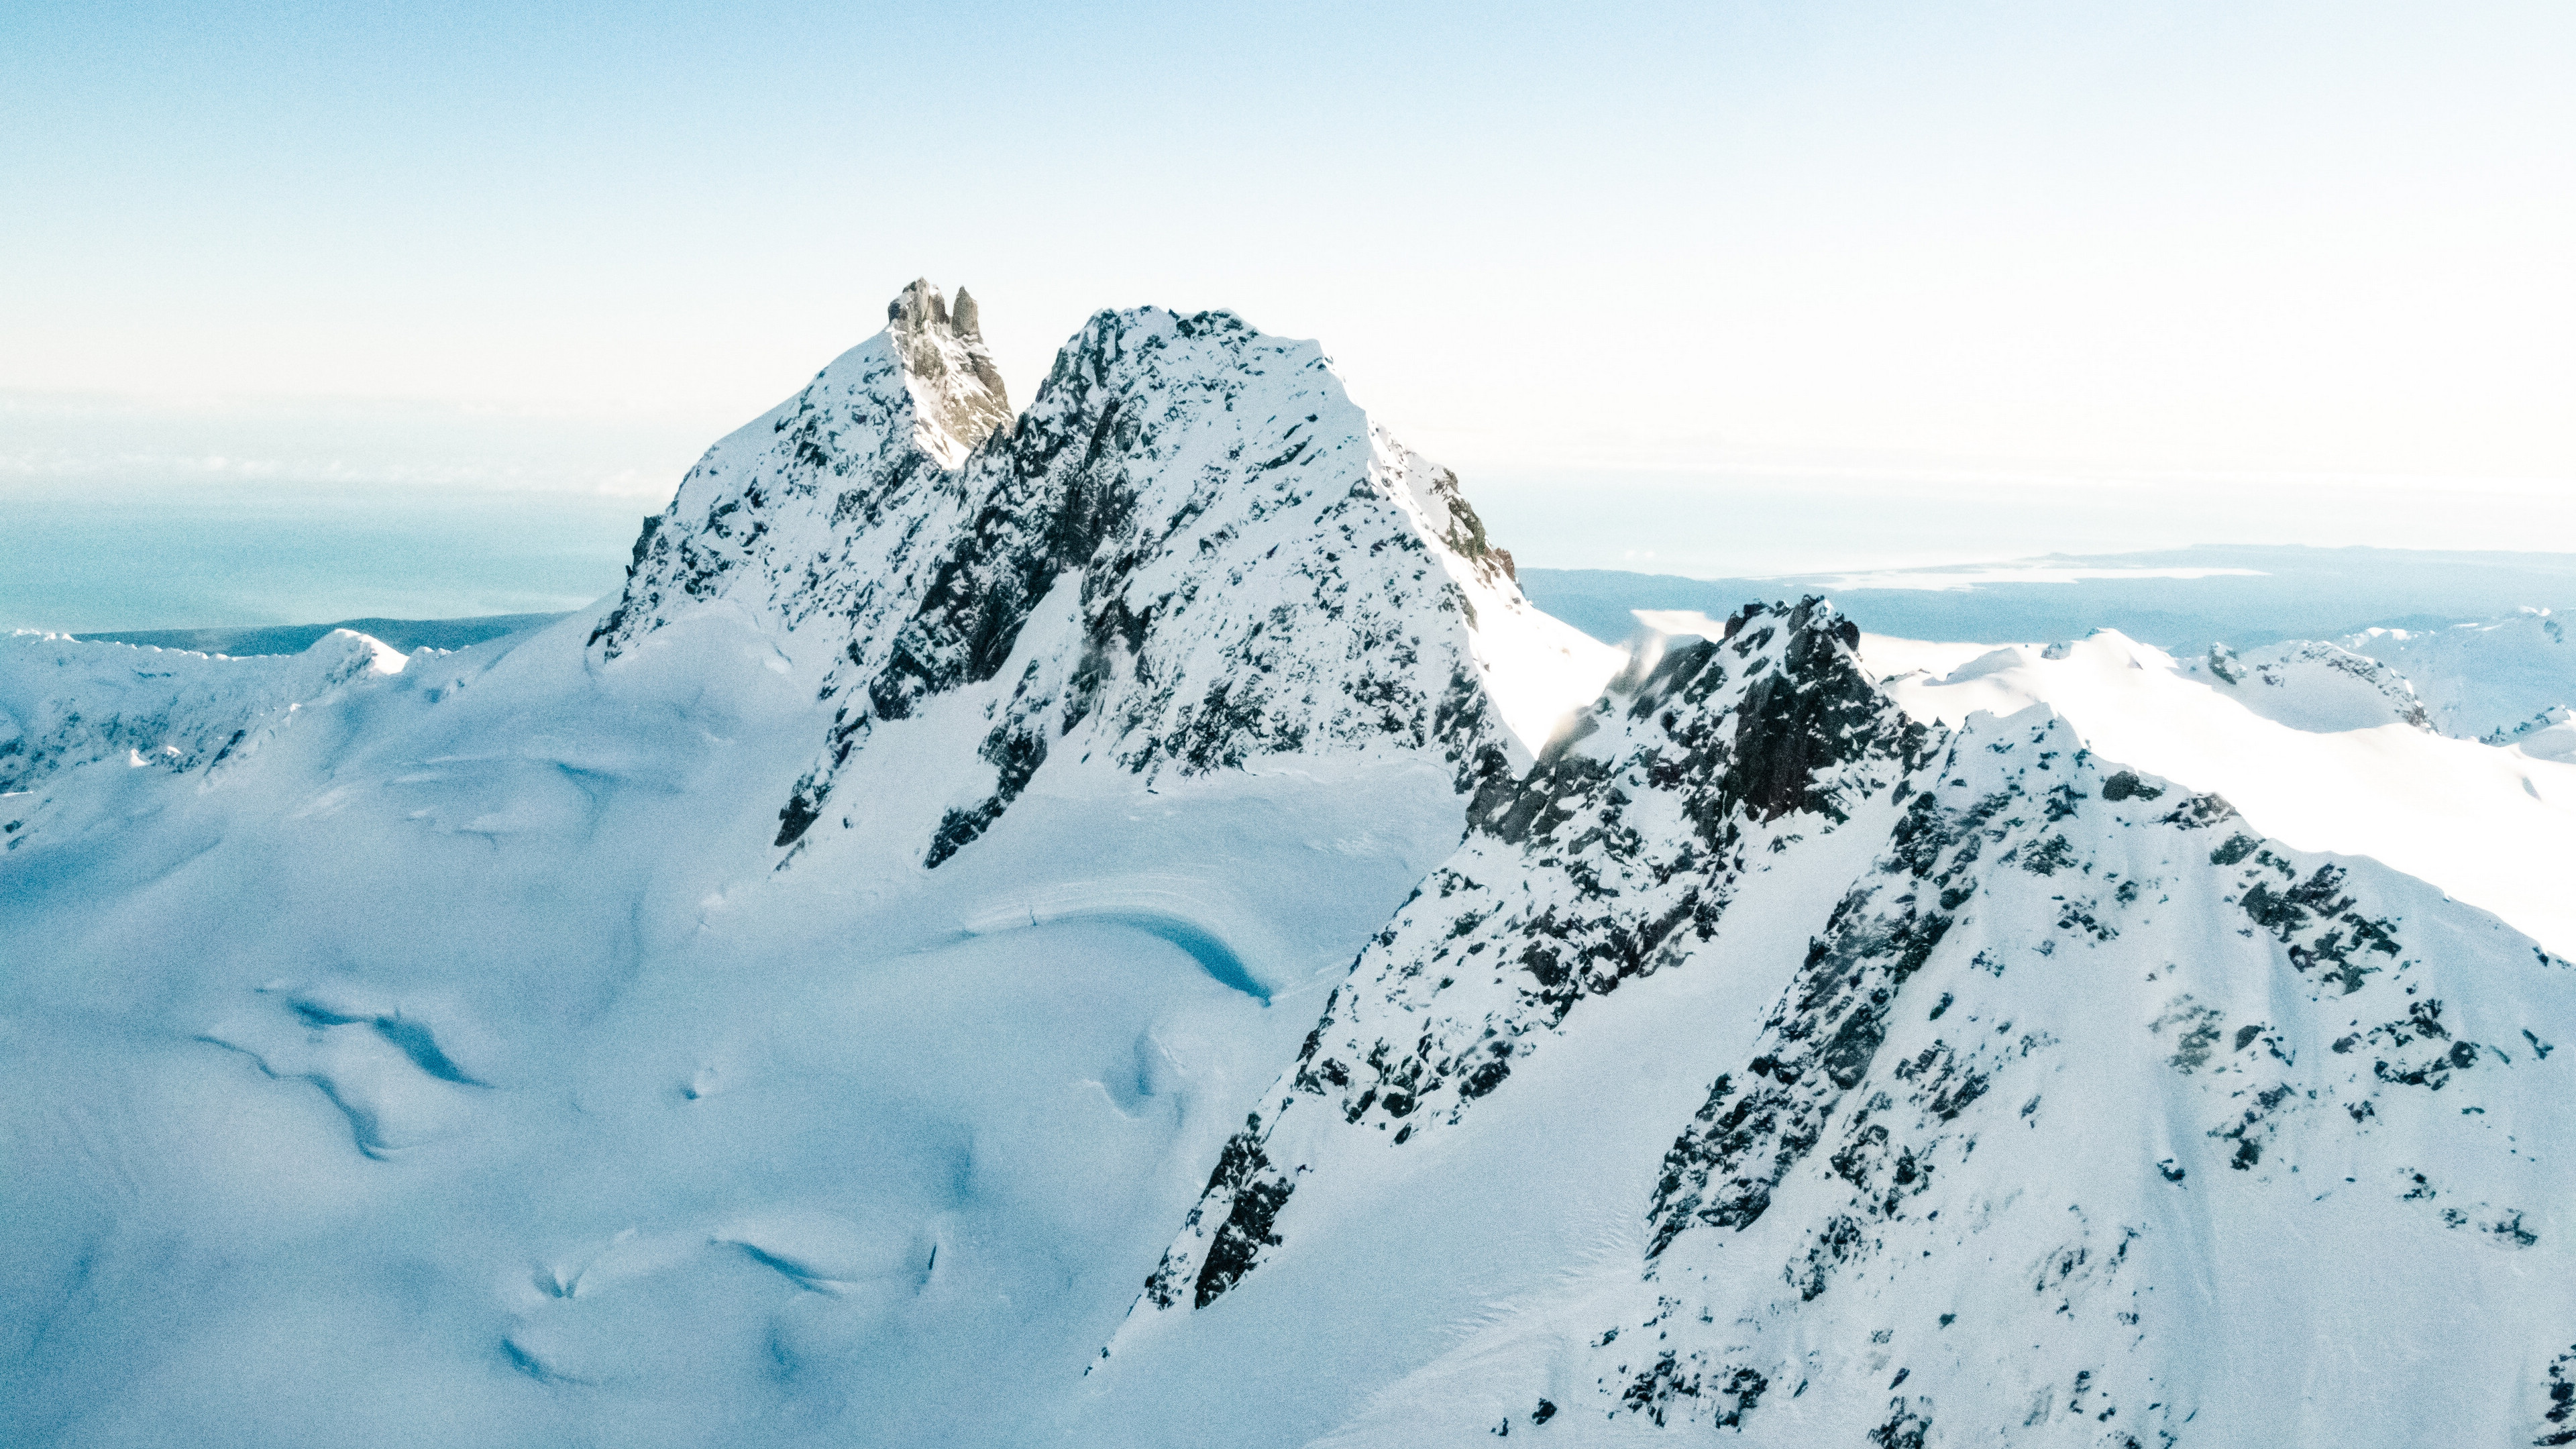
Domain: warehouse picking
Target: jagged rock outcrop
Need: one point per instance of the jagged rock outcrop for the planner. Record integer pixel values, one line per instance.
(953, 382)
(2073, 1045)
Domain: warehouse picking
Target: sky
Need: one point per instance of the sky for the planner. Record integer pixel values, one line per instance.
(1711, 288)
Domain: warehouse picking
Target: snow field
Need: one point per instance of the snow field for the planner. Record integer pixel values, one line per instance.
(2492, 826)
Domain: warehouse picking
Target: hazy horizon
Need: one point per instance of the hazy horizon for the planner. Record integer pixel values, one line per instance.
(1704, 290)
(2073, 241)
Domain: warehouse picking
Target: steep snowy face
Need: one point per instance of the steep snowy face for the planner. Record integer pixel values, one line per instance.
(1614, 858)
(818, 509)
(2023, 1070)
(2076, 1063)
(1192, 552)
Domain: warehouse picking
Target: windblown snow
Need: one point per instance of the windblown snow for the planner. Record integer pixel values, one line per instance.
(1116, 923)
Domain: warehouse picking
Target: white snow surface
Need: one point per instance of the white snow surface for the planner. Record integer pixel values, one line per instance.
(457, 1069)
(2311, 685)
(987, 866)
(2495, 680)
(65, 703)
(2058, 1121)
(2494, 827)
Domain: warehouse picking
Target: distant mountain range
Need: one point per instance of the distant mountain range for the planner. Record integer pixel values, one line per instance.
(403, 634)
(2183, 599)
(2176, 599)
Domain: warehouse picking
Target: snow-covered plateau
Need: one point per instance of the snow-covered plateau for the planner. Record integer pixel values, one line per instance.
(1115, 923)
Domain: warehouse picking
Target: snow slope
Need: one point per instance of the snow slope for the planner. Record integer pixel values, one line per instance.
(2311, 685)
(65, 703)
(2493, 681)
(2494, 827)
(458, 1064)
(1117, 924)
(1964, 1094)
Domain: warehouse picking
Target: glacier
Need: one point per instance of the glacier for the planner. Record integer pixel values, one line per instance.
(1115, 922)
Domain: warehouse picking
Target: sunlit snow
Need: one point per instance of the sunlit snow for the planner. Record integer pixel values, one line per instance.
(1117, 924)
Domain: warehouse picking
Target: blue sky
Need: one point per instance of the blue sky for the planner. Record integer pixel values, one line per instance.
(2079, 249)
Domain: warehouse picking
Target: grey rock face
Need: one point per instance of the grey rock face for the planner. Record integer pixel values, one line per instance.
(952, 377)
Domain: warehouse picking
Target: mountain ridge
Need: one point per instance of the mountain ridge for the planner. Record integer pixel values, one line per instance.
(1130, 480)
(1843, 1115)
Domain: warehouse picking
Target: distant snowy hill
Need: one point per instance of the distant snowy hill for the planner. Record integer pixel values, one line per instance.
(260, 639)
(2497, 680)
(2506, 681)
(1117, 923)
(2175, 599)
(65, 704)
(2314, 686)
(2327, 763)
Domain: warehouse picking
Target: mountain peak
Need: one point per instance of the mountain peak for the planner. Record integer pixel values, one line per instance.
(920, 305)
(1193, 550)
(956, 390)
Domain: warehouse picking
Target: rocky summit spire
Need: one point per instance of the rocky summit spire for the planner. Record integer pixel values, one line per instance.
(916, 306)
(956, 389)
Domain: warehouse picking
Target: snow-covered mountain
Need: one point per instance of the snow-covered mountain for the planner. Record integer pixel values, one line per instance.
(1976, 1075)
(2497, 681)
(1116, 923)
(2311, 685)
(2489, 825)
(65, 704)
(2505, 681)
(1211, 554)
